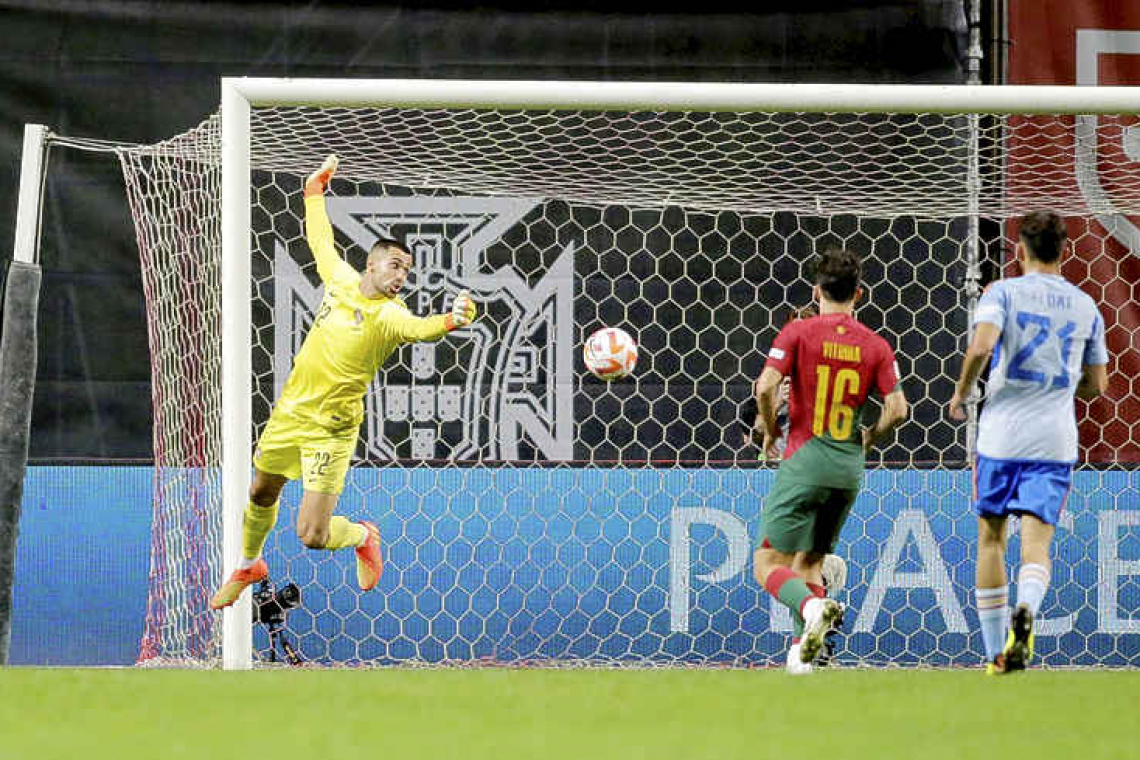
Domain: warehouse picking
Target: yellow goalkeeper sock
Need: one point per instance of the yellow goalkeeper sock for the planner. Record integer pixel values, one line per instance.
(255, 527)
(343, 532)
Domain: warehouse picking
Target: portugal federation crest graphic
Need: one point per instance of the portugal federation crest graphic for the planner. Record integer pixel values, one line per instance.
(499, 389)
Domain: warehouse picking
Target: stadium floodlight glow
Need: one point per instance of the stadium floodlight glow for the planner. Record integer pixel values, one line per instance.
(684, 211)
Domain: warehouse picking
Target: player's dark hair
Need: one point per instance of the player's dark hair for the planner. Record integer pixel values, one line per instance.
(837, 272)
(1044, 234)
(384, 243)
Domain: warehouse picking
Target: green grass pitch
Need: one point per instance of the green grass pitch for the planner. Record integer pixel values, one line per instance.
(404, 714)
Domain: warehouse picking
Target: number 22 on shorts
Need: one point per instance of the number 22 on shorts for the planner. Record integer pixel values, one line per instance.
(320, 466)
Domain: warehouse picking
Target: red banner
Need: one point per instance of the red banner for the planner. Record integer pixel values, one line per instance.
(1091, 42)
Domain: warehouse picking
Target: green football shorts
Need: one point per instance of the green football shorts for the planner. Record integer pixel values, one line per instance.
(799, 517)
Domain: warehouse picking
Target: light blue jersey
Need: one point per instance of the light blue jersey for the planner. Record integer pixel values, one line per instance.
(1050, 329)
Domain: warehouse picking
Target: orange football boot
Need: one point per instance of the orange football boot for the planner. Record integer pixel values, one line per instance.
(239, 579)
(369, 563)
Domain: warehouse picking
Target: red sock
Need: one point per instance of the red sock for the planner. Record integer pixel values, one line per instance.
(777, 578)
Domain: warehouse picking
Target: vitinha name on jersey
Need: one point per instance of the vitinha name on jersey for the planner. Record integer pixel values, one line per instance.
(499, 389)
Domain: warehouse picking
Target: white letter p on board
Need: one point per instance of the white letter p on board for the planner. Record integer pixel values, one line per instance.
(680, 562)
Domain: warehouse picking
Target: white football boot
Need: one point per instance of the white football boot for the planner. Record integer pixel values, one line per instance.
(795, 666)
(819, 617)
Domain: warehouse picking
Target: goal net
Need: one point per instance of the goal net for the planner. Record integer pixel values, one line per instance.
(533, 514)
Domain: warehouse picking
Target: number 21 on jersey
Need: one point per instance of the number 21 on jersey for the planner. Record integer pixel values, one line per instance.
(1042, 325)
(830, 413)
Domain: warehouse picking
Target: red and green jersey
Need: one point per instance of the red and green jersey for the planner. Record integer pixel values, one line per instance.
(834, 362)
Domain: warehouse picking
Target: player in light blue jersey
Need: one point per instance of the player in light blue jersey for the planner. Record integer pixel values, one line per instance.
(1044, 341)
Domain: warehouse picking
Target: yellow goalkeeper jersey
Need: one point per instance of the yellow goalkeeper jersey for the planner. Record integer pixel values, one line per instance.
(350, 339)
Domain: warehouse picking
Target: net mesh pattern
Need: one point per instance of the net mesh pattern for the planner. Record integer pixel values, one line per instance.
(173, 190)
(531, 513)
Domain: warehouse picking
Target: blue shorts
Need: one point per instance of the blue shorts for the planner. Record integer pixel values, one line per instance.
(1004, 487)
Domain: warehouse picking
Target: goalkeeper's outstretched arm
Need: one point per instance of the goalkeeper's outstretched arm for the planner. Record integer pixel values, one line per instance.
(412, 329)
(405, 327)
(318, 230)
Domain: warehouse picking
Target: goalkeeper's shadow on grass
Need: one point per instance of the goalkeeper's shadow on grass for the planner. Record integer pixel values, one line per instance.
(270, 607)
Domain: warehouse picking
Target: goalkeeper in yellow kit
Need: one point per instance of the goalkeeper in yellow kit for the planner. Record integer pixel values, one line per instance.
(313, 429)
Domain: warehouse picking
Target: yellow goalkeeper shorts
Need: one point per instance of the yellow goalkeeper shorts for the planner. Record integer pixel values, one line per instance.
(299, 449)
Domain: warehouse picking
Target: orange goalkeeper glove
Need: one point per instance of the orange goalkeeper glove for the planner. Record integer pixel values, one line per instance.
(463, 311)
(319, 180)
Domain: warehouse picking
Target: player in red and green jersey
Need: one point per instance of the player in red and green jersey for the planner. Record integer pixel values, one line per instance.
(834, 363)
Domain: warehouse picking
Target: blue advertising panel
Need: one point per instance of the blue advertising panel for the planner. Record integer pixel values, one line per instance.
(81, 566)
(521, 565)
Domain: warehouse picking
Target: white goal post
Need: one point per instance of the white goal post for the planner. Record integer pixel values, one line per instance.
(242, 96)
